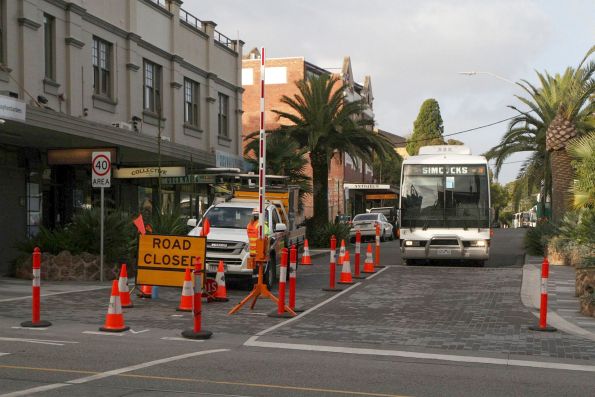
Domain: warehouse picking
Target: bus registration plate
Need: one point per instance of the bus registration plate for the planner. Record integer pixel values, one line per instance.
(443, 252)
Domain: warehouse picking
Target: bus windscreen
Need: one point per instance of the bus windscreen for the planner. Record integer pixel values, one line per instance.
(445, 196)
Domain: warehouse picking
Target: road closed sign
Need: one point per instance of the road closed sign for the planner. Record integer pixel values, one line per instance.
(162, 260)
(101, 165)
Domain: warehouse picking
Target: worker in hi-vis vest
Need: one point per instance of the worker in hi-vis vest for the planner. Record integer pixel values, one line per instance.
(252, 230)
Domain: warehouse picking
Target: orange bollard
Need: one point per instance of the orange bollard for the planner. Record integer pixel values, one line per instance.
(377, 258)
(332, 272)
(114, 321)
(36, 294)
(280, 312)
(545, 273)
(358, 247)
(123, 287)
(197, 332)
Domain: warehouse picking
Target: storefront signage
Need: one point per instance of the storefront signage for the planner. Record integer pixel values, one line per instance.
(76, 156)
(162, 260)
(366, 186)
(148, 172)
(189, 179)
(388, 196)
(12, 109)
(228, 160)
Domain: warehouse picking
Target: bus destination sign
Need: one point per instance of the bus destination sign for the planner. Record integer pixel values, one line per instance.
(446, 170)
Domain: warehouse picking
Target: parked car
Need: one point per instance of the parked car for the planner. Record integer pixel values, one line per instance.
(366, 223)
(390, 213)
(343, 219)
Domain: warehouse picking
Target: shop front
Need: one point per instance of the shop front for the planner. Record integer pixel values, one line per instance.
(360, 197)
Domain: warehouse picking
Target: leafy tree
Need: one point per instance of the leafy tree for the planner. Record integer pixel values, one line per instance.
(499, 197)
(388, 171)
(284, 157)
(583, 152)
(574, 118)
(322, 122)
(454, 142)
(427, 128)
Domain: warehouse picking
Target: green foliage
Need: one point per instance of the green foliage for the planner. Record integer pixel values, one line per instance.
(168, 224)
(583, 152)
(454, 142)
(388, 170)
(82, 235)
(499, 197)
(322, 122)
(320, 237)
(536, 238)
(506, 217)
(427, 128)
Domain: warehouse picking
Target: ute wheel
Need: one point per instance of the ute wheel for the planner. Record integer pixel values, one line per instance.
(270, 273)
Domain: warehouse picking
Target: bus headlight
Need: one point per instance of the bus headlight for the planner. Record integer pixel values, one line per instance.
(478, 243)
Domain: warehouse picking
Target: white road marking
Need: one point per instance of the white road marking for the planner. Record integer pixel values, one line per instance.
(38, 341)
(34, 390)
(137, 332)
(107, 374)
(182, 339)
(4, 354)
(177, 315)
(310, 310)
(55, 293)
(428, 356)
(31, 328)
(103, 333)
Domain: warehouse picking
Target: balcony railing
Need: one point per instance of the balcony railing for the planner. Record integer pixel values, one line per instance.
(226, 41)
(191, 20)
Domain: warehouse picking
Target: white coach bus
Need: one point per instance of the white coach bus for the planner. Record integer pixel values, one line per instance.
(445, 206)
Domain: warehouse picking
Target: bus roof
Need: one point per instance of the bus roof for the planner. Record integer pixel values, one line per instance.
(445, 159)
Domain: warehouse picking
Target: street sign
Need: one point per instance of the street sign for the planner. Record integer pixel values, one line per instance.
(101, 166)
(162, 260)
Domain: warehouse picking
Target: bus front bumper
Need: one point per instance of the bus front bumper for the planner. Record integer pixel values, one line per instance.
(449, 252)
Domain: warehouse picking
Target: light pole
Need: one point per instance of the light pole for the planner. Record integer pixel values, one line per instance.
(474, 73)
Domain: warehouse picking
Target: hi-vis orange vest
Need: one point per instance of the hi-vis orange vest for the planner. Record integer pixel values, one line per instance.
(252, 231)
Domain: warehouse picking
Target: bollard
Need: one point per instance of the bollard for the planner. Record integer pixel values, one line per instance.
(377, 258)
(332, 276)
(36, 294)
(545, 272)
(293, 278)
(282, 281)
(197, 332)
(358, 247)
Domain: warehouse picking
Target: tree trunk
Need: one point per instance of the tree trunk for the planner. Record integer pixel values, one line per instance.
(562, 179)
(319, 164)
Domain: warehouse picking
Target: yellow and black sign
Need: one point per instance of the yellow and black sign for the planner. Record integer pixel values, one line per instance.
(385, 196)
(162, 260)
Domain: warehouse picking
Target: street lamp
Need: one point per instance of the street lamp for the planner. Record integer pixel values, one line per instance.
(474, 73)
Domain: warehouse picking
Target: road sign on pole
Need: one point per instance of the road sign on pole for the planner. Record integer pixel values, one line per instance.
(101, 166)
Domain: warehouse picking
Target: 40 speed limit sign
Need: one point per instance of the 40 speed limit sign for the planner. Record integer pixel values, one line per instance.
(101, 165)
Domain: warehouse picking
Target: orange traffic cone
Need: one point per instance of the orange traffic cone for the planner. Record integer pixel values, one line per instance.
(123, 288)
(369, 263)
(221, 293)
(346, 271)
(186, 300)
(114, 321)
(341, 252)
(145, 291)
(306, 260)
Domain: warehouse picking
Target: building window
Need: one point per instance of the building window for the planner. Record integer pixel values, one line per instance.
(152, 87)
(102, 60)
(191, 101)
(49, 34)
(223, 115)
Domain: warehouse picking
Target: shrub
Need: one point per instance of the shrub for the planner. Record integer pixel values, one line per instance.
(172, 224)
(536, 239)
(320, 236)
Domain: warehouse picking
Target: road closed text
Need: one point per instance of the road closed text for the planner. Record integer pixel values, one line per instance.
(162, 260)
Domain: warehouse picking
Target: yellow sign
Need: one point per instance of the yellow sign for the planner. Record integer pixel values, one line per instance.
(386, 196)
(162, 260)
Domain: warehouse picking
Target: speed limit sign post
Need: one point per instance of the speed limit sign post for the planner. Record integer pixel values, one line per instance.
(101, 177)
(101, 169)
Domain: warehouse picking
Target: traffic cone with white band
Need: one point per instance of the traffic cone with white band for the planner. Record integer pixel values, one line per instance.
(221, 293)
(369, 263)
(114, 321)
(145, 291)
(341, 252)
(306, 259)
(346, 271)
(123, 287)
(187, 293)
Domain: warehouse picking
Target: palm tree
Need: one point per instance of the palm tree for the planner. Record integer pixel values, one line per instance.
(322, 123)
(575, 108)
(284, 157)
(583, 152)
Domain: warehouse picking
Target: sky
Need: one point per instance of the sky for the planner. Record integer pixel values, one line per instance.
(414, 50)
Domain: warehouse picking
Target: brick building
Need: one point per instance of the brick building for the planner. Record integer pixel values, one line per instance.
(281, 76)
